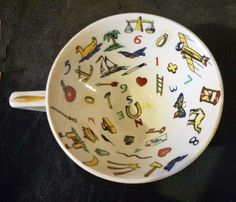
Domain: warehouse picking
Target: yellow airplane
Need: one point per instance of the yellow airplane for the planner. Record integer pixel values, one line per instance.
(189, 54)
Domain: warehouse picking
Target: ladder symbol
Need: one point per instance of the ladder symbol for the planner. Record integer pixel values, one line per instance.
(86, 75)
(159, 84)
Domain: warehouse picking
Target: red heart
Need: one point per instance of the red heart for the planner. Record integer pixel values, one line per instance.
(164, 151)
(141, 81)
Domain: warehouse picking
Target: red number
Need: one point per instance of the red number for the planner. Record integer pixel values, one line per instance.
(157, 62)
(137, 39)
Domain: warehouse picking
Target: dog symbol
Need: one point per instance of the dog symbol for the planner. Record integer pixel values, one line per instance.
(199, 116)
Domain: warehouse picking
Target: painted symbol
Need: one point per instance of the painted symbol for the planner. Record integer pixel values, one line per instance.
(159, 84)
(146, 106)
(134, 155)
(70, 93)
(152, 130)
(189, 80)
(90, 135)
(199, 116)
(107, 96)
(113, 35)
(194, 141)
(89, 99)
(135, 54)
(90, 119)
(173, 89)
(172, 163)
(156, 141)
(179, 105)
(161, 41)
(122, 166)
(123, 87)
(139, 25)
(157, 61)
(137, 39)
(190, 54)
(138, 122)
(106, 139)
(67, 64)
(29, 98)
(102, 152)
(120, 115)
(89, 49)
(137, 150)
(78, 143)
(141, 81)
(108, 67)
(163, 152)
(128, 139)
(92, 162)
(81, 74)
(138, 113)
(63, 114)
(172, 68)
(209, 95)
(134, 69)
(129, 99)
(112, 84)
(154, 166)
(107, 125)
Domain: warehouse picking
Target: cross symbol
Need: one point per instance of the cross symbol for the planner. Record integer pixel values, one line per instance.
(172, 68)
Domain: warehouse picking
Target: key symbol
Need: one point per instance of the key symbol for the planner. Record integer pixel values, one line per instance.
(113, 84)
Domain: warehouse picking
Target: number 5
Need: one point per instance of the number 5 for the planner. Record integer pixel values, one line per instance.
(67, 64)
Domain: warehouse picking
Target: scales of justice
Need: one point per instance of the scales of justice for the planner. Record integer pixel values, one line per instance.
(139, 25)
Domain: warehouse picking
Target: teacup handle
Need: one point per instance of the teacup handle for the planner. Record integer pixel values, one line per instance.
(30, 100)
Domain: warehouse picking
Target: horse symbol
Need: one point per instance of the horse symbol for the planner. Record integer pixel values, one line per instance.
(200, 115)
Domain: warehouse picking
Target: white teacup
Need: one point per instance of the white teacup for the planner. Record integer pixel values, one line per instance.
(132, 98)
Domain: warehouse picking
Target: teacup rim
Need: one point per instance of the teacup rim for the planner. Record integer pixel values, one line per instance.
(109, 177)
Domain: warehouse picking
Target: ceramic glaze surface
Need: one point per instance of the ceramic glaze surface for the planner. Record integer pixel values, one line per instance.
(134, 98)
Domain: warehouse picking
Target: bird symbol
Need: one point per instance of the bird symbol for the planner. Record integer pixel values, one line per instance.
(135, 54)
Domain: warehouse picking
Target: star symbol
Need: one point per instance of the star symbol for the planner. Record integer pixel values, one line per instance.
(172, 68)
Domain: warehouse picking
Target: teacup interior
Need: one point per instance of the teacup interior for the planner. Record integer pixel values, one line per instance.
(128, 102)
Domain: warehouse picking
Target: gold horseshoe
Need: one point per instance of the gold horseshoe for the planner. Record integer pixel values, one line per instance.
(134, 116)
(161, 40)
(89, 99)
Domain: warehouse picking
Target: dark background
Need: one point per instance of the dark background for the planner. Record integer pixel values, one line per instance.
(34, 168)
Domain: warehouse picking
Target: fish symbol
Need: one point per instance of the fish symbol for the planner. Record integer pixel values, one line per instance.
(135, 54)
(171, 164)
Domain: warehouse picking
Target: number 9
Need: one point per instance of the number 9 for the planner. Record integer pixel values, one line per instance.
(124, 88)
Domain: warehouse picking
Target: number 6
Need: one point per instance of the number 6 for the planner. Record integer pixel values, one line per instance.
(137, 39)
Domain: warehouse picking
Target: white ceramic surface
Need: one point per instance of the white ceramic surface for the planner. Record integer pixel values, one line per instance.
(159, 111)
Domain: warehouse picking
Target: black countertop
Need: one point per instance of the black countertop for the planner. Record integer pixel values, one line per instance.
(32, 165)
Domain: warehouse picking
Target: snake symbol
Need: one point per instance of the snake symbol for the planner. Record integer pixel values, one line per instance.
(173, 89)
